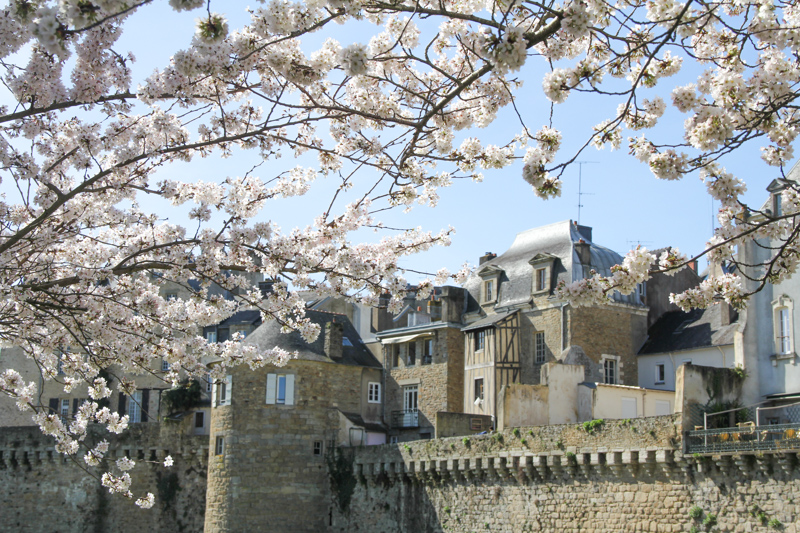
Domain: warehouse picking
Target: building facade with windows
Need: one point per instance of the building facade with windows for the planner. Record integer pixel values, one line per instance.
(272, 428)
(422, 350)
(771, 322)
(705, 337)
(515, 325)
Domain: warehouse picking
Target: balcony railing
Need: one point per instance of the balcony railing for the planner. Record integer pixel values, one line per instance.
(745, 438)
(750, 429)
(405, 418)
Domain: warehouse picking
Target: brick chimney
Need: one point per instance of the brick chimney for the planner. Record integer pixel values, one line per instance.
(488, 256)
(584, 252)
(333, 340)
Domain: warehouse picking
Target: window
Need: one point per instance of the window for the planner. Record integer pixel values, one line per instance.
(208, 382)
(199, 419)
(411, 360)
(219, 448)
(410, 397)
(488, 290)
(393, 439)
(541, 279)
(170, 296)
(211, 336)
(394, 349)
(540, 347)
(64, 410)
(479, 391)
(776, 205)
(317, 447)
(661, 374)
(164, 365)
(610, 371)
(280, 389)
(427, 351)
(221, 391)
(480, 339)
(135, 412)
(374, 392)
(784, 331)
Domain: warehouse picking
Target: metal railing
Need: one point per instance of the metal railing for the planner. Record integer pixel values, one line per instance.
(746, 429)
(405, 418)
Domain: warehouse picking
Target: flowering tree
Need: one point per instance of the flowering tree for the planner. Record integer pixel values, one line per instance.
(390, 117)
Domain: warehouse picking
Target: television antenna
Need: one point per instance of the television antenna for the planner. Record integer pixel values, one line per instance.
(580, 186)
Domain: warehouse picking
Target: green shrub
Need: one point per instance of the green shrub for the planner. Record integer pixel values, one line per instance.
(710, 520)
(775, 524)
(695, 512)
(515, 431)
(591, 425)
(184, 397)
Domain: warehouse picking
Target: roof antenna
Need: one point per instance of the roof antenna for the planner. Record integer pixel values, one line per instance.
(580, 191)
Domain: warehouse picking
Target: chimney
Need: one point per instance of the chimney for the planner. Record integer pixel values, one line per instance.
(488, 256)
(333, 340)
(584, 252)
(726, 313)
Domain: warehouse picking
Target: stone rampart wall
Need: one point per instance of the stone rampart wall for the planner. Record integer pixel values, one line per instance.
(41, 491)
(619, 477)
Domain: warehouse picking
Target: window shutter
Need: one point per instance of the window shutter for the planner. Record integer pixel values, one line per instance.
(289, 389)
(214, 399)
(53, 406)
(271, 380)
(228, 391)
(75, 406)
(121, 406)
(145, 403)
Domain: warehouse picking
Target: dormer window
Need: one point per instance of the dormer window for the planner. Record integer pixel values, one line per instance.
(541, 279)
(542, 271)
(490, 287)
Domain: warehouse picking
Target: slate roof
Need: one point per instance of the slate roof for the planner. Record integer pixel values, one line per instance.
(250, 317)
(699, 328)
(269, 335)
(557, 239)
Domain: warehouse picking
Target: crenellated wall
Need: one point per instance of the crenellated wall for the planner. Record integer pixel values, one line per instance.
(620, 476)
(41, 491)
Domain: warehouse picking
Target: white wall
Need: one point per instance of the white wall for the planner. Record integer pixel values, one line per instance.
(621, 401)
(713, 356)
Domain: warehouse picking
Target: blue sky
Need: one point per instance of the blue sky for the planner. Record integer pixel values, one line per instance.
(624, 203)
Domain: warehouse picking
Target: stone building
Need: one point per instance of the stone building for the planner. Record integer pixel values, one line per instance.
(273, 428)
(515, 324)
(423, 357)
